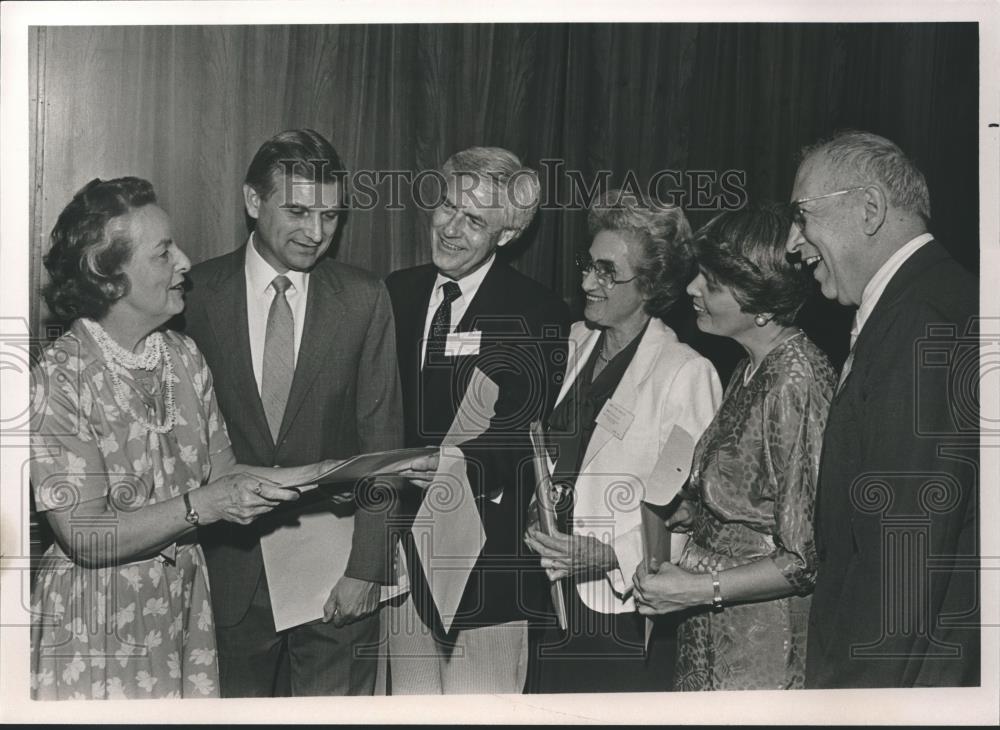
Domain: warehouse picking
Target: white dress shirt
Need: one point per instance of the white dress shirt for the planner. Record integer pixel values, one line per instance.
(259, 275)
(877, 284)
(469, 285)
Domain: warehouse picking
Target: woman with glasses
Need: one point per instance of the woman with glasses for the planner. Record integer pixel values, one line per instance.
(746, 572)
(633, 403)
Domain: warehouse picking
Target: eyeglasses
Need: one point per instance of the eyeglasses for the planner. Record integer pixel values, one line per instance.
(799, 213)
(604, 272)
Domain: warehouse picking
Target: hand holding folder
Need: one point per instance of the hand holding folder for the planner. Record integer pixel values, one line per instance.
(547, 511)
(656, 538)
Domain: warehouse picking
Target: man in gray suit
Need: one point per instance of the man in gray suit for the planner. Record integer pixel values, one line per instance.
(304, 357)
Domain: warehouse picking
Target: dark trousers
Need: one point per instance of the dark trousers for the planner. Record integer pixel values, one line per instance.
(601, 653)
(309, 660)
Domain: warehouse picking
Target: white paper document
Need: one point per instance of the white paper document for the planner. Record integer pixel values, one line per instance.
(672, 468)
(367, 465)
(447, 530)
(448, 534)
(304, 560)
(669, 475)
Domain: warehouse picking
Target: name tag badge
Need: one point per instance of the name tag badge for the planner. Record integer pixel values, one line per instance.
(615, 418)
(463, 344)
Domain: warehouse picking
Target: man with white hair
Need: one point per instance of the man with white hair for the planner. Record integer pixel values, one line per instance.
(895, 603)
(469, 311)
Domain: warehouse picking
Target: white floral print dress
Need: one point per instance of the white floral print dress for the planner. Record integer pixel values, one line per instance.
(142, 629)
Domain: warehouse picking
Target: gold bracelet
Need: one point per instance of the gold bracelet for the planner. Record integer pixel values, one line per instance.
(716, 591)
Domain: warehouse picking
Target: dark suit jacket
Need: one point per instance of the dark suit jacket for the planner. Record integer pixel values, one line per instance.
(897, 499)
(344, 400)
(523, 349)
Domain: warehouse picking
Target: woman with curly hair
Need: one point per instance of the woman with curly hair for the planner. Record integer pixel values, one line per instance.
(633, 403)
(129, 455)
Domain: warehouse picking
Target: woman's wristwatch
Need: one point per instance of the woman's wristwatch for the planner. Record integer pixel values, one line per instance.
(716, 591)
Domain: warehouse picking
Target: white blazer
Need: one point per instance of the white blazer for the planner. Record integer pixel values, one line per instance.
(667, 389)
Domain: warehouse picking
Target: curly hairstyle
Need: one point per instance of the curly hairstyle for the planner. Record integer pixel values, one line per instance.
(664, 265)
(85, 259)
(745, 251)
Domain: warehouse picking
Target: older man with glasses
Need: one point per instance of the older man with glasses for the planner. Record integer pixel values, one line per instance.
(895, 603)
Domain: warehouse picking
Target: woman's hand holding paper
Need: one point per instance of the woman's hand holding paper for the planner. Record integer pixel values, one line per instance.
(564, 555)
(665, 588)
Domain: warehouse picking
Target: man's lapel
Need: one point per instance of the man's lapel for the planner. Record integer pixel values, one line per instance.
(488, 300)
(872, 334)
(486, 314)
(325, 313)
(413, 317)
(227, 313)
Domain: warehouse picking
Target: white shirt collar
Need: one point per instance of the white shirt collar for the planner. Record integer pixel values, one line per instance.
(468, 284)
(260, 273)
(877, 284)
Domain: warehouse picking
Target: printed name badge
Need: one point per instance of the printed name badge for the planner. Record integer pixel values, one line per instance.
(615, 419)
(462, 344)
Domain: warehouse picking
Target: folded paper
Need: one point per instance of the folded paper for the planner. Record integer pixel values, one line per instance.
(448, 534)
(359, 467)
(307, 554)
(448, 531)
(545, 503)
(303, 562)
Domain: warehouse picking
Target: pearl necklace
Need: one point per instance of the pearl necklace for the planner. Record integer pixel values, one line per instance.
(118, 358)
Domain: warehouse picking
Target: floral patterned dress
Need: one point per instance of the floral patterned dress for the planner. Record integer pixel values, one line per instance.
(754, 478)
(142, 629)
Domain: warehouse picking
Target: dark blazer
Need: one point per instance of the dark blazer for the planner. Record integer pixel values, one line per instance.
(345, 400)
(897, 499)
(523, 349)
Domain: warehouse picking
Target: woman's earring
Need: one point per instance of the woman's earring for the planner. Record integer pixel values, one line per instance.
(112, 291)
(761, 319)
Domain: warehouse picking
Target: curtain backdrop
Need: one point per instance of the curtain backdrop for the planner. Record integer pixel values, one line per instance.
(186, 107)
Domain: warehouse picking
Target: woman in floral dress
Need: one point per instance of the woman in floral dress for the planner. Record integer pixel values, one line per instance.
(750, 563)
(129, 455)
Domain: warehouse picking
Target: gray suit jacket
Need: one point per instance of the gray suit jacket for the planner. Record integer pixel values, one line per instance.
(345, 400)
